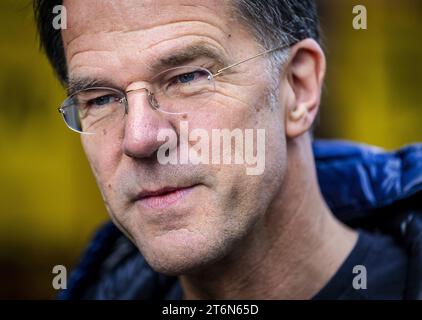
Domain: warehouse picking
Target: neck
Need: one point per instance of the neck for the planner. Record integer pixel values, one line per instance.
(291, 253)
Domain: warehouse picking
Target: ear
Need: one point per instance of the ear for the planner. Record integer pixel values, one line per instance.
(304, 75)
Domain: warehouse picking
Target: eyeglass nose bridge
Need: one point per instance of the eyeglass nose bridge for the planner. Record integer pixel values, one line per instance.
(150, 95)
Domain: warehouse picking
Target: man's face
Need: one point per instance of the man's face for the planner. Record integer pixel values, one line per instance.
(121, 42)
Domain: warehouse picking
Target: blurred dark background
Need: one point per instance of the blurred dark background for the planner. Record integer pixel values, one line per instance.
(49, 203)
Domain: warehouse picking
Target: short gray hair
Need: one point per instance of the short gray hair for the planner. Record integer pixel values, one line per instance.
(279, 22)
(276, 23)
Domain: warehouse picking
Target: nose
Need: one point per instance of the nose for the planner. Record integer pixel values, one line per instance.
(142, 126)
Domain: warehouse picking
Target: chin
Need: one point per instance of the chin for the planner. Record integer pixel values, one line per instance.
(172, 267)
(180, 252)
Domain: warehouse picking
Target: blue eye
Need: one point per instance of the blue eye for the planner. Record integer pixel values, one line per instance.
(187, 77)
(185, 81)
(103, 100)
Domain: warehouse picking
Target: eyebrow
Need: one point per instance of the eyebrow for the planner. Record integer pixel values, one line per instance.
(176, 58)
(189, 54)
(82, 83)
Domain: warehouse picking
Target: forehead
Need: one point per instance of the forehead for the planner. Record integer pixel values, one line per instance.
(111, 35)
(107, 16)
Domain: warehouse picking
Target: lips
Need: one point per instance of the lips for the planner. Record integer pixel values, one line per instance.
(164, 197)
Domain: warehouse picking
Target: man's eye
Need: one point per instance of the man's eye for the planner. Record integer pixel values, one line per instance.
(189, 77)
(103, 100)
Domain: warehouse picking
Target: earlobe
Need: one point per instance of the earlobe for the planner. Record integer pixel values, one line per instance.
(298, 113)
(298, 120)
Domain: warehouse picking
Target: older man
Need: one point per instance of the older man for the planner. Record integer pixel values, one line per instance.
(137, 73)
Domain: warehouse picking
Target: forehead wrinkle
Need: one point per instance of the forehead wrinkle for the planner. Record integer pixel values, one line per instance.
(110, 30)
(103, 15)
(84, 44)
(168, 17)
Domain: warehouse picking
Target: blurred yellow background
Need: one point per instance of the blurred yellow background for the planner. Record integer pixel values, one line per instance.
(49, 203)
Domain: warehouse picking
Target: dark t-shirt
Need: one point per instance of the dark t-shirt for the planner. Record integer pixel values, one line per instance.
(385, 263)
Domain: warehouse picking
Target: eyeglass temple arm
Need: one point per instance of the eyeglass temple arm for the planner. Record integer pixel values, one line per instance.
(219, 72)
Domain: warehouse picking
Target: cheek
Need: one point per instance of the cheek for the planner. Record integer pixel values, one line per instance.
(248, 195)
(103, 155)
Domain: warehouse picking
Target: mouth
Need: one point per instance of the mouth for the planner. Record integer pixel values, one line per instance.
(164, 197)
